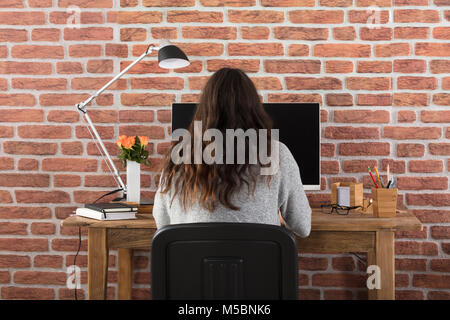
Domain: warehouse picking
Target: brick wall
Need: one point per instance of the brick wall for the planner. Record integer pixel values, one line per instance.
(383, 94)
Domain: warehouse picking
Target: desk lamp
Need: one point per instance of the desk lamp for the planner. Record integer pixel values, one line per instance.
(169, 57)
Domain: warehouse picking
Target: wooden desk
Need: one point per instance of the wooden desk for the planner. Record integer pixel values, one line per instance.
(356, 232)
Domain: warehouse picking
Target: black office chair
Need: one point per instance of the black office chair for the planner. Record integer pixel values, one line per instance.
(224, 261)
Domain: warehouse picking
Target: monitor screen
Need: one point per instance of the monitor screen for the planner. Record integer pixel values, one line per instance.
(299, 130)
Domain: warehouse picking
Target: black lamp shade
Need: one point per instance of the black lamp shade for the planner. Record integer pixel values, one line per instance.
(171, 57)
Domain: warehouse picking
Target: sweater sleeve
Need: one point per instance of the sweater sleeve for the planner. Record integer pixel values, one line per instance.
(293, 203)
(161, 209)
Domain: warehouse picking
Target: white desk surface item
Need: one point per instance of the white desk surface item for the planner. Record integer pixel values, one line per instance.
(343, 196)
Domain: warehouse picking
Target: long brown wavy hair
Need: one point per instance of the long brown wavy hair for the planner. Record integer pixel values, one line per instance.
(229, 101)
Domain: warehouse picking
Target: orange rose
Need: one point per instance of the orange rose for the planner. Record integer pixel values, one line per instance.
(120, 140)
(143, 140)
(128, 142)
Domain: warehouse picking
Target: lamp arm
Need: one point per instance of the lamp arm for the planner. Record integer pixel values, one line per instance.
(82, 108)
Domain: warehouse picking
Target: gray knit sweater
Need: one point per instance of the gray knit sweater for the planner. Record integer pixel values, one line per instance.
(285, 193)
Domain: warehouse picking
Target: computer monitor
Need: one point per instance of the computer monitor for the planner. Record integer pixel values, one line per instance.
(299, 130)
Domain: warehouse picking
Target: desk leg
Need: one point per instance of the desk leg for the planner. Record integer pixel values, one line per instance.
(125, 273)
(384, 257)
(97, 263)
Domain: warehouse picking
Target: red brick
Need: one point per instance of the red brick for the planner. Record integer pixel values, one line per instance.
(35, 148)
(410, 66)
(362, 16)
(370, 83)
(405, 264)
(316, 16)
(90, 33)
(339, 99)
(440, 66)
(411, 33)
(48, 261)
(44, 132)
(6, 163)
(344, 33)
(432, 49)
(416, 15)
(342, 50)
(381, 99)
(287, 3)
(352, 132)
(143, 67)
(159, 83)
(28, 164)
(441, 99)
(247, 65)
(432, 216)
(431, 281)
(409, 295)
(375, 34)
(292, 66)
(255, 16)
(39, 277)
(392, 50)
(169, 3)
(94, 83)
(343, 263)
(14, 261)
(440, 232)
(48, 34)
(307, 83)
(441, 33)
(24, 244)
(426, 166)
(438, 295)
(22, 17)
(31, 293)
(116, 50)
(63, 116)
(133, 34)
(442, 149)
(13, 228)
(339, 280)
(402, 133)
(136, 116)
(19, 100)
(361, 116)
(24, 180)
(147, 99)
(182, 16)
(435, 116)
(13, 35)
(69, 67)
(298, 50)
(338, 295)
(255, 49)
(422, 183)
(431, 199)
(411, 99)
(300, 33)
(85, 50)
(358, 165)
(417, 83)
(66, 180)
(361, 149)
(43, 228)
(39, 84)
(267, 83)
(338, 66)
(153, 132)
(255, 33)
(374, 67)
(410, 150)
(416, 248)
(72, 165)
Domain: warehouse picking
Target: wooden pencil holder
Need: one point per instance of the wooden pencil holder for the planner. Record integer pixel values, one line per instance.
(356, 192)
(384, 202)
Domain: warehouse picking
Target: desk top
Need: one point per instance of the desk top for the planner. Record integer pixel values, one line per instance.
(355, 221)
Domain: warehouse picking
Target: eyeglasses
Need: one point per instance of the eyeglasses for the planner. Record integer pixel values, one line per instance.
(342, 210)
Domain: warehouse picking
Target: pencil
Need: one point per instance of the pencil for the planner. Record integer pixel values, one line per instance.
(378, 177)
(373, 179)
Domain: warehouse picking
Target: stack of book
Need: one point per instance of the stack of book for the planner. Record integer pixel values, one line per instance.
(108, 211)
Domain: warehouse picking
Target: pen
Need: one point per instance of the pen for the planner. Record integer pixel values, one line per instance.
(388, 176)
(389, 183)
(370, 172)
(378, 177)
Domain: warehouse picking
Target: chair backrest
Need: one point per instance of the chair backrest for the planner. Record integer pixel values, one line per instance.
(224, 261)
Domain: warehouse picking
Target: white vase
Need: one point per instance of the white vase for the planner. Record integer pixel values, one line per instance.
(133, 181)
